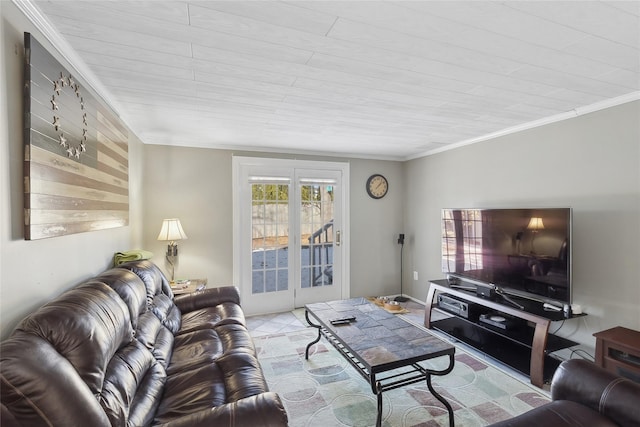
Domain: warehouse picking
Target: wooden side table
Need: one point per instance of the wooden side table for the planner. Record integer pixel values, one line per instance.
(618, 351)
(192, 285)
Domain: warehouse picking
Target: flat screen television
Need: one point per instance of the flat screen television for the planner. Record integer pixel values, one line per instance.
(522, 252)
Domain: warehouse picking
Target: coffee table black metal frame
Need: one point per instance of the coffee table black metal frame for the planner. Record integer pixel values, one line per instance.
(379, 375)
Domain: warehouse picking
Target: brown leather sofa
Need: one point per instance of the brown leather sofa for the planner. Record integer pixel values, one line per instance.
(120, 350)
(584, 394)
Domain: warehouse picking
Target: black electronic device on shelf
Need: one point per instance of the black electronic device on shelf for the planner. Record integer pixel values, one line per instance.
(458, 306)
(500, 320)
(486, 290)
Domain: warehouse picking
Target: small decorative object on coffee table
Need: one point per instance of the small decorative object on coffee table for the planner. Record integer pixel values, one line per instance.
(384, 348)
(180, 287)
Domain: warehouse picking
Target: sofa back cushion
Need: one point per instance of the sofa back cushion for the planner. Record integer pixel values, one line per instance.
(157, 318)
(159, 295)
(133, 386)
(55, 363)
(131, 290)
(153, 278)
(86, 326)
(155, 337)
(40, 387)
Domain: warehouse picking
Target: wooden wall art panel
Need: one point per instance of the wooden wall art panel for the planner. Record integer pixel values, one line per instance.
(76, 153)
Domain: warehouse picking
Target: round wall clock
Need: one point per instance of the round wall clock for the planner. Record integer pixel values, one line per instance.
(377, 186)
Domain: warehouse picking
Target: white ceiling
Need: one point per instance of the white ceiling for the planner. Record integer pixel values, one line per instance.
(381, 79)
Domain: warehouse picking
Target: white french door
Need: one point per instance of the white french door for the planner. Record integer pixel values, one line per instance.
(289, 232)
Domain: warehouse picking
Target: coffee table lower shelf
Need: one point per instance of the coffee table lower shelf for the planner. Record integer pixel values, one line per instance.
(385, 380)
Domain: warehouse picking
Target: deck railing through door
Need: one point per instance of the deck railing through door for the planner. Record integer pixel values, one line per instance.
(320, 244)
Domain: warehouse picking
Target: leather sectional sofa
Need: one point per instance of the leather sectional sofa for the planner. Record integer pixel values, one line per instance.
(120, 350)
(585, 395)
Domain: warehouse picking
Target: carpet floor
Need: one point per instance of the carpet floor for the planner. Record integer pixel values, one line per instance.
(327, 391)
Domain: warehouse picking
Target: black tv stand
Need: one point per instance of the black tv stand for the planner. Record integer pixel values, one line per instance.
(508, 299)
(526, 347)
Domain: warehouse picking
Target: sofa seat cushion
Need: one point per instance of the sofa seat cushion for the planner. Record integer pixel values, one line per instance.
(195, 349)
(559, 413)
(235, 338)
(191, 391)
(205, 346)
(243, 376)
(261, 410)
(211, 317)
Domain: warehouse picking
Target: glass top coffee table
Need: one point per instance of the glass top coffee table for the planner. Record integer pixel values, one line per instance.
(384, 348)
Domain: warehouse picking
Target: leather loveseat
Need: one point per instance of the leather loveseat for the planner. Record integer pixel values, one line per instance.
(120, 350)
(585, 395)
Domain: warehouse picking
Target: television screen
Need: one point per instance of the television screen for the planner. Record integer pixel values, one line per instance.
(525, 252)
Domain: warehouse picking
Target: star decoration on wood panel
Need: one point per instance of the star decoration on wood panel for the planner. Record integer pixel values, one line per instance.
(72, 149)
(57, 87)
(63, 79)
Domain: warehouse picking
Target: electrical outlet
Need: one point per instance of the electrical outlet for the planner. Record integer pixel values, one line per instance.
(415, 275)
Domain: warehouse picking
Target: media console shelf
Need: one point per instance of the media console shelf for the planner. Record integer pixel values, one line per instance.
(525, 347)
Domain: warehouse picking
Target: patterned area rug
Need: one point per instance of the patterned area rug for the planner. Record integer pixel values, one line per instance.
(327, 391)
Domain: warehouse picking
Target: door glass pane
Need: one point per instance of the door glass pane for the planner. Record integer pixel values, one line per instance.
(316, 232)
(270, 237)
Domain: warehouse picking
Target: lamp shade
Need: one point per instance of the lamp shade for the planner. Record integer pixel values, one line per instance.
(171, 230)
(535, 224)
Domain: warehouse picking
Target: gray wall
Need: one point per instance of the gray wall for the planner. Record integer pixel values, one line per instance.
(590, 163)
(194, 184)
(32, 272)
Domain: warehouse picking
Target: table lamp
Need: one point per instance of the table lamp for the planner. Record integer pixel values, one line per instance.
(535, 225)
(172, 231)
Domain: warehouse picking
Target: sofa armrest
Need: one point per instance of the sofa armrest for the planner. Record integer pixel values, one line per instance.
(209, 297)
(262, 410)
(584, 382)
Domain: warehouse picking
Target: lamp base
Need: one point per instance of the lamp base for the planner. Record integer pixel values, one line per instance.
(172, 249)
(401, 299)
(171, 260)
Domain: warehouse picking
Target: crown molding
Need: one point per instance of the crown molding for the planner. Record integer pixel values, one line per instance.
(576, 112)
(60, 44)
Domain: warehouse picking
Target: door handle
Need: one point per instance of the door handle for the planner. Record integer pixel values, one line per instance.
(338, 238)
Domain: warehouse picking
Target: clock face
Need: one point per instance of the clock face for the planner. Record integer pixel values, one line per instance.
(377, 186)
